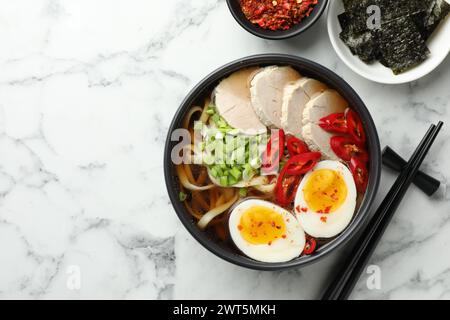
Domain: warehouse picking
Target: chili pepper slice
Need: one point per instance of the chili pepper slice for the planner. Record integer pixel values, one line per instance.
(310, 246)
(346, 148)
(355, 127)
(302, 163)
(296, 146)
(334, 123)
(286, 188)
(360, 174)
(274, 151)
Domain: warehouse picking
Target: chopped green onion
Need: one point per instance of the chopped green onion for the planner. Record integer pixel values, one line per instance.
(223, 181)
(243, 192)
(208, 159)
(219, 170)
(236, 173)
(214, 172)
(232, 180)
(215, 118)
(182, 196)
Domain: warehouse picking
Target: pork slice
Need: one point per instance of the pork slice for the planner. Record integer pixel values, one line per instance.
(294, 101)
(267, 89)
(296, 95)
(312, 86)
(320, 106)
(233, 102)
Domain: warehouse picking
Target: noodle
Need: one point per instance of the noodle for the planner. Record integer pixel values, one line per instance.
(196, 196)
(220, 201)
(195, 214)
(206, 219)
(202, 177)
(188, 171)
(188, 185)
(187, 120)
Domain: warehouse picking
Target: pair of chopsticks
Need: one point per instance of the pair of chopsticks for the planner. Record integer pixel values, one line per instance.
(344, 282)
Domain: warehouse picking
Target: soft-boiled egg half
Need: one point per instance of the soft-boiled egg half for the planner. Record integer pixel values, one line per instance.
(266, 232)
(326, 199)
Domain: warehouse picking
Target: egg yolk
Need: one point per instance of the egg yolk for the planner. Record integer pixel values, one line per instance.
(325, 191)
(261, 225)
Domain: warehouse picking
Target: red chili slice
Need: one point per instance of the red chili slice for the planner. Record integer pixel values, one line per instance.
(302, 163)
(274, 151)
(360, 174)
(296, 146)
(335, 123)
(310, 246)
(346, 148)
(355, 127)
(286, 188)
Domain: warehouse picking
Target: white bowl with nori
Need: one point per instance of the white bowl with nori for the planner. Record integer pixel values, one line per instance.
(438, 44)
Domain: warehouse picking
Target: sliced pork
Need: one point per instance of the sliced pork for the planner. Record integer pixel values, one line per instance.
(296, 95)
(267, 89)
(322, 105)
(233, 102)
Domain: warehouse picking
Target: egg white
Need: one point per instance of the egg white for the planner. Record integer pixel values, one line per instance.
(336, 221)
(281, 250)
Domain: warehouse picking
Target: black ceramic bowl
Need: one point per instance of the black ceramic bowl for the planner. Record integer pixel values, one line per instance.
(306, 23)
(306, 68)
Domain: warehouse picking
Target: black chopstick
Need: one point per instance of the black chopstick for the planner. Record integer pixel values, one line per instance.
(349, 274)
(424, 182)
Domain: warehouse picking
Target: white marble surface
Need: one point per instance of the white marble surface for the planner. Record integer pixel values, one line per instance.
(87, 91)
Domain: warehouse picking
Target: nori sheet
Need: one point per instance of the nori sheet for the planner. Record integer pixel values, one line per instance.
(361, 44)
(401, 45)
(437, 11)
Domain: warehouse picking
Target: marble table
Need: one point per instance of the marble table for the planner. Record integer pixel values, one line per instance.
(87, 92)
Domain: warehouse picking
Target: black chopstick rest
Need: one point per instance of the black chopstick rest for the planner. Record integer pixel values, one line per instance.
(424, 182)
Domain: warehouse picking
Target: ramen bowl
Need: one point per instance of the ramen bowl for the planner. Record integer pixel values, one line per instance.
(306, 68)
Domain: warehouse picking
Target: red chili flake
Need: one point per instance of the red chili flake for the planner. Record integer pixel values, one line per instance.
(323, 219)
(305, 209)
(277, 14)
(327, 209)
(284, 236)
(240, 228)
(270, 243)
(298, 209)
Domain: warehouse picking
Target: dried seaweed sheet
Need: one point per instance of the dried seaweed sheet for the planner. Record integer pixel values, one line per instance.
(401, 45)
(351, 4)
(356, 18)
(361, 44)
(437, 11)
